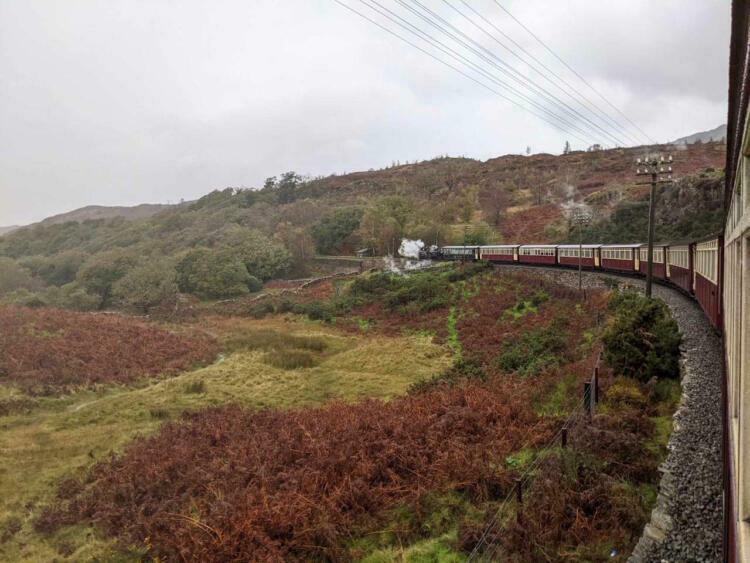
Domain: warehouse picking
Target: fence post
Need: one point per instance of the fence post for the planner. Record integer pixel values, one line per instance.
(564, 439)
(587, 398)
(596, 383)
(519, 500)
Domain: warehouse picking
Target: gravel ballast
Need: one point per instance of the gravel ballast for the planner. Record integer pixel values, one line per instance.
(686, 523)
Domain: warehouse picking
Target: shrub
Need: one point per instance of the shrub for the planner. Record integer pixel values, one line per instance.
(643, 340)
(261, 310)
(533, 351)
(254, 284)
(466, 271)
(318, 311)
(13, 276)
(146, 286)
(213, 274)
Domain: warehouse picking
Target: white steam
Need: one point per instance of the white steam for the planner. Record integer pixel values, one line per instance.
(410, 248)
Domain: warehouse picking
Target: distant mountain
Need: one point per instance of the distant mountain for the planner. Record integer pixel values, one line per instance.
(141, 211)
(718, 134)
(6, 230)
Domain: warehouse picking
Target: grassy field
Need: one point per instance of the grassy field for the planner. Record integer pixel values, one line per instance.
(59, 437)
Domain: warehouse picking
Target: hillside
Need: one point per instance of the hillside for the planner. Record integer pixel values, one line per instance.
(717, 134)
(230, 241)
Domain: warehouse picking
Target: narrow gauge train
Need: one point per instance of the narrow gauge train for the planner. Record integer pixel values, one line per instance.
(693, 266)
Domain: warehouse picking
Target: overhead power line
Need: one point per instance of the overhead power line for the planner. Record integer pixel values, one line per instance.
(569, 89)
(568, 126)
(571, 69)
(459, 71)
(517, 76)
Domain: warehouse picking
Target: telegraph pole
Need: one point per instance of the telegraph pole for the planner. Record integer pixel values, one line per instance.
(660, 171)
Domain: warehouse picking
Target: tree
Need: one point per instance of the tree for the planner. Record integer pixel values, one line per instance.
(147, 286)
(13, 276)
(299, 243)
(333, 230)
(385, 223)
(566, 149)
(100, 272)
(494, 200)
(287, 187)
(270, 183)
(213, 274)
(58, 269)
(264, 258)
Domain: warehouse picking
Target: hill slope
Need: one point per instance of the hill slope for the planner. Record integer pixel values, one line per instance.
(222, 244)
(717, 134)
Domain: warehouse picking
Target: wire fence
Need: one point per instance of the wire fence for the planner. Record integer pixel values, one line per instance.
(488, 546)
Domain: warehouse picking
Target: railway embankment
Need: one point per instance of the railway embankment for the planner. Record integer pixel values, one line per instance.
(686, 522)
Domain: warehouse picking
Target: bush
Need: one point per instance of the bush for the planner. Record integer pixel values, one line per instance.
(13, 276)
(318, 311)
(261, 310)
(254, 284)
(466, 271)
(643, 340)
(212, 274)
(147, 286)
(533, 351)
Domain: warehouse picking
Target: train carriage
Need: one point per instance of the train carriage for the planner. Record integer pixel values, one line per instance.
(707, 262)
(538, 254)
(567, 255)
(679, 264)
(499, 252)
(460, 252)
(619, 257)
(659, 268)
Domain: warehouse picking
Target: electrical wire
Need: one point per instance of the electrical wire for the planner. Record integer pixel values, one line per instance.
(571, 69)
(502, 66)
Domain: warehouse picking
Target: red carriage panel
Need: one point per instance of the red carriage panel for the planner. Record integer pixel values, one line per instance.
(530, 259)
(618, 265)
(659, 270)
(573, 261)
(707, 294)
(681, 277)
(498, 257)
(707, 263)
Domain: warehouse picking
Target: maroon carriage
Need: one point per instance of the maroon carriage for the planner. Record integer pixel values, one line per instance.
(619, 257)
(538, 254)
(567, 255)
(707, 259)
(680, 265)
(659, 268)
(499, 253)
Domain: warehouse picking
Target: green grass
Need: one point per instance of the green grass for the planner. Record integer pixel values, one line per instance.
(60, 437)
(428, 534)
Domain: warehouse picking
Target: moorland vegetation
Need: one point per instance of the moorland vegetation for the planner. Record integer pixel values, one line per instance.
(368, 417)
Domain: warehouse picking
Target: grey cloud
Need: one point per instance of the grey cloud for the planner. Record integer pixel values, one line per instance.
(125, 102)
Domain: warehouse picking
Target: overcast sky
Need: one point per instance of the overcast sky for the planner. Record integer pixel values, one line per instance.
(124, 102)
